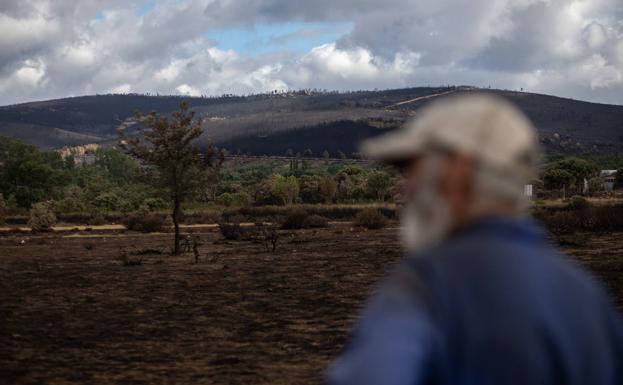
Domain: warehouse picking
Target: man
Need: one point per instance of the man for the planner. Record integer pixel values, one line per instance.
(483, 298)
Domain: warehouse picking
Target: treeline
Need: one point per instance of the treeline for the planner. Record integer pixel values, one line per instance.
(304, 181)
(110, 181)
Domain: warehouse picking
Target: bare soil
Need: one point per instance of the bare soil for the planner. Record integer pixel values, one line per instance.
(71, 312)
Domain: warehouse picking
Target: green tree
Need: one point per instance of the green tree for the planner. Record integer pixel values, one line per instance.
(225, 199)
(345, 185)
(108, 201)
(167, 144)
(569, 173)
(287, 188)
(73, 200)
(377, 184)
(327, 188)
(120, 168)
(28, 174)
(309, 189)
(556, 179)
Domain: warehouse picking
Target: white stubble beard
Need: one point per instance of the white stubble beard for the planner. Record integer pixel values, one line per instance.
(425, 219)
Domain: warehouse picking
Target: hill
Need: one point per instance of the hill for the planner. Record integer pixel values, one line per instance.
(273, 123)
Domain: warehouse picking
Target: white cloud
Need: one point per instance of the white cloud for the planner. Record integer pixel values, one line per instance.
(568, 47)
(121, 89)
(596, 35)
(30, 74)
(331, 67)
(599, 73)
(79, 55)
(23, 34)
(170, 72)
(354, 63)
(185, 89)
(27, 77)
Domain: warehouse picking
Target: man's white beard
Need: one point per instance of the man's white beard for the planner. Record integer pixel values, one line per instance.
(425, 219)
(424, 222)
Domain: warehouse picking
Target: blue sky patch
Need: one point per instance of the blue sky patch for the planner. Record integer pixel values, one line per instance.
(265, 38)
(145, 7)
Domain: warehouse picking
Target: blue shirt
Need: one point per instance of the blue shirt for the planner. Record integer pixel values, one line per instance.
(495, 304)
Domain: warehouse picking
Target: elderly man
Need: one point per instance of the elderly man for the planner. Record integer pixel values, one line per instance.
(483, 298)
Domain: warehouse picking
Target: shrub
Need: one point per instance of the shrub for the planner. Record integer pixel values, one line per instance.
(107, 201)
(558, 222)
(295, 219)
(230, 226)
(233, 199)
(96, 219)
(155, 204)
(231, 230)
(125, 206)
(73, 201)
(316, 221)
(591, 218)
(578, 203)
(301, 219)
(147, 223)
(69, 205)
(204, 217)
(42, 216)
(225, 199)
(370, 219)
(242, 199)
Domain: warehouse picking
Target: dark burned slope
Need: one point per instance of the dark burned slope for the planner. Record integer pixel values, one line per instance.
(78, 120)
(272, 123)
(333, 137)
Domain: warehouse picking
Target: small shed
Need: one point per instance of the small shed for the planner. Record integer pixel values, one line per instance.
(608, 178)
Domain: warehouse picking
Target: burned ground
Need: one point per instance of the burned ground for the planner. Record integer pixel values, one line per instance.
(71, 312)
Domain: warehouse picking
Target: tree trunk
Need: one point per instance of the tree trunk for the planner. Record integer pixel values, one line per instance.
(176, 225)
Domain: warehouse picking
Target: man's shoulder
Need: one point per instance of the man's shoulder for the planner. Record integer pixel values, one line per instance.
(516, 256)
(487, 241)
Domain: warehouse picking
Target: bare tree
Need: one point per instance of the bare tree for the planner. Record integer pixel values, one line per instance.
(168, 144)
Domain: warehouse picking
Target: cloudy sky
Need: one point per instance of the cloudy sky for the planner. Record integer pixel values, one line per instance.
(58, 48)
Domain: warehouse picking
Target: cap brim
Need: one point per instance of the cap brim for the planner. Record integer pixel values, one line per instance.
(392, 148)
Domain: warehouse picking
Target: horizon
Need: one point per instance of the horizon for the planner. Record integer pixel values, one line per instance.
(323, 91)
(59, 49)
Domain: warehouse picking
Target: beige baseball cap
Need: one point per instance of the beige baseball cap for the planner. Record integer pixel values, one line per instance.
(483, 126)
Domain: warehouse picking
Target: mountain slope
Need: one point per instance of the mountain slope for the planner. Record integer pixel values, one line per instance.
(272, 123)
